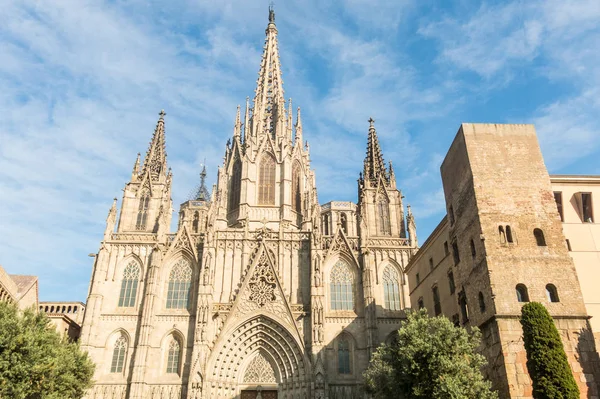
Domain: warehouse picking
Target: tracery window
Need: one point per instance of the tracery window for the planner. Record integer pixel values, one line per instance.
(235, 186)
(384, 216)
(296, 190)
(118, 358)
(342, 287)
(174, 356)
(391, 288)
(266, 181)
(260, 371)
(142, 215)
(343, 356)
(180, 281)
(129, 284)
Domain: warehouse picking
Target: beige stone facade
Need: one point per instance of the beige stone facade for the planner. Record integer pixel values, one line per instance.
(261, 289)
(501, 245)
(67, 317)
(19, 289)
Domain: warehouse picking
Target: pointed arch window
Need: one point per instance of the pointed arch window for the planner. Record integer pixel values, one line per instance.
(383, 212)
(266, 180)
(180, 282)
(196, 222)
(391, 288)
(342, 287)
(344, 222)
(235, 185)
(296, 190)
(173, 356)
(343, 349)
(129, 285)
(119, 352)
(142, 216)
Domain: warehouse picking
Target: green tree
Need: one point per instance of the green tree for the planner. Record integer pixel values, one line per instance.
(546, 359)
(36, 362)
(431, 359)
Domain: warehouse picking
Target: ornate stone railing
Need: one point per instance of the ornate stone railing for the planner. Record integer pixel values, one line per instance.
(133, 237)
(107, 391)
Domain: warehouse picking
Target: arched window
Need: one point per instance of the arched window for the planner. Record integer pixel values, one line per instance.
(296, 189)
(552, 293)
(196, 222)
(129, 284)
(173, 356)
(383, 210)
(539, 237)
(501, 234)
(344, 221)
(180, 281)
(342, 287)
(481, 303)
(119, 352)
(343, 349)
(326, 225)
(509, 235)
(235, 185)
(142, 215)
(522, 295)
(391, 288)
(266, 180)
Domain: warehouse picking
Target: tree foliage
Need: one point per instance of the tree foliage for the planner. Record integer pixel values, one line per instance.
(431, 359)
(546, 359)
(36, 362)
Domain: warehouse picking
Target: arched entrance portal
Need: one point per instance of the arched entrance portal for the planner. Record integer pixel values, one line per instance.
(259, 359)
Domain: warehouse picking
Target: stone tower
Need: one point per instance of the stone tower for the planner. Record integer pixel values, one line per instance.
(258, 293)
(508, 247)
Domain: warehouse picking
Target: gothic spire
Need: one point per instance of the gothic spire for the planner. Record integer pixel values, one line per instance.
(268, 100)
(374, 165)
(155, 161)
(136, 168)
(202, 193)
(237, 129)
(299, 128)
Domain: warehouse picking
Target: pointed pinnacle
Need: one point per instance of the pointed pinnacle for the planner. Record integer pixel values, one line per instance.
(156, 156)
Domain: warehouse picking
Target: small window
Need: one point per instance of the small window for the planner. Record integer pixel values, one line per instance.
(446, 251)
(344, 356)
(420, 303)
(481, 303)
(455, 253)
(174, 357)
(451, 282)
(552, 293)
(418, 278)
(559, 204)
(344, 220)
(118, 358)
(539, 237)
(522, 295)
(451, 215)
(569, 245)
(586, 203)
(455, 320)
(196, 222)
(473, 251)
(430, 263)
(502, 234)
(464, 308)
(509, 235)
(437, 306)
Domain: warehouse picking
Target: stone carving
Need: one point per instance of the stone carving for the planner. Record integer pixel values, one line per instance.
(262, 283)
(260, 371)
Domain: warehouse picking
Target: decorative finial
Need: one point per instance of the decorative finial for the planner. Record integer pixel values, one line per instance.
(162, 114)
(371, 122)
(271, 13)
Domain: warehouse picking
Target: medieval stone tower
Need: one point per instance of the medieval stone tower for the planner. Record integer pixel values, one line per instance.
(261, 292)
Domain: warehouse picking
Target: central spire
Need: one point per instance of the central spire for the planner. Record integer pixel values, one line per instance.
(268, 115)
(374, 167)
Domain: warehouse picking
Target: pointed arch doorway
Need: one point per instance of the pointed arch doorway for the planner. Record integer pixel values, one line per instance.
(260, 379)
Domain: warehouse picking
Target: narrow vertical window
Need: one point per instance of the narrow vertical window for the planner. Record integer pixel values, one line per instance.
(342, 287)
(437, 306)
(266, 180)
(173, 357)
(451, 284)
(539, 237)
(344, 222)
(420, 303)
(509, 235)
(552, 293)
(118, 358)
(502, 234)
(473, 250)
(142, 215)
(384, 216)
(296, 190)
(326, 224)
(418, 278)
(235, 185)
(559, 204)
(129, 285)
(464, 307)
(451, 215)
(196, 222)
(446, 251)
(430, 263)
(586, 203)
(391, 288)
(568, 245)
(522, 294)
(455, 253)
(481, 303)
(180, 282)
(343, 356)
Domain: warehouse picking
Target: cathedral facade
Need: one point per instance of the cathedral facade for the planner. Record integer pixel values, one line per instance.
(261, 292)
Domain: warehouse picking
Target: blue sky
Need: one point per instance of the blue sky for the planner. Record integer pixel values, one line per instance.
(82, 83)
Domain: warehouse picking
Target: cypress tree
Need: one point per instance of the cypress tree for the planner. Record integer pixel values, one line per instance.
(546, 359)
